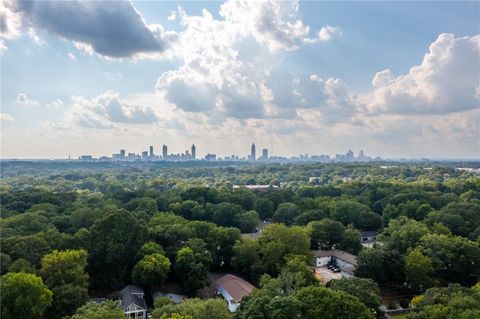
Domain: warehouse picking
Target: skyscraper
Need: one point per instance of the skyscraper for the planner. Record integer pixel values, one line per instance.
(265, 154)
(122, 154)
(164, 151)
(151, 151)
(194, 151)
(253, 155)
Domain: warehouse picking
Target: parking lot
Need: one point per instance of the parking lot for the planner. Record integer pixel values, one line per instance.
(325, 275)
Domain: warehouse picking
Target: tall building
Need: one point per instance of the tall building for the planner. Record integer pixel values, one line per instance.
(151, 151)
(253, 154)
(122, 154)
(349, 155)
(164, 151)
(361, 156)
(194, 151)
(265, 154)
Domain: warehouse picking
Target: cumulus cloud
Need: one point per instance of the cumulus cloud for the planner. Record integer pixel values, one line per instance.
(10, 24)
(325, 34)
(110, 28)
(4, 117)
(104, 111)
(23, 99)
(227, 60)
(446, 81)
(272, 23)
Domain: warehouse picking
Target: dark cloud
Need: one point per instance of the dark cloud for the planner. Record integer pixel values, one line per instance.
(112, 28)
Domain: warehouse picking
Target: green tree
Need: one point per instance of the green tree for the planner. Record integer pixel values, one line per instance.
(63, 272)
(286, 213)
(325, 233)
(247, 221)
(23, 296)
(246, 259)
(190, 270)
(351, 240)
(195, 308)
(451, 302)
(320, 302)
(114, 240)
(264, 207)
(21, 265)
(370, 264)
(151, 270)
(419, 271)
(105, 310)
(5, 262)
(366, 290)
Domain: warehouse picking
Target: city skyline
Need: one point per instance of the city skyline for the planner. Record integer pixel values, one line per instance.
(399, 79)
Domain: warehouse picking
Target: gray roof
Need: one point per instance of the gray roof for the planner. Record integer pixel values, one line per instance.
(369, 233)
(337, 253)
(132, 294)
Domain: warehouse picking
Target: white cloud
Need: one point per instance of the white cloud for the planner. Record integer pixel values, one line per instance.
(72, 56)
(55, 104)
(4, 117)
(10, 23)
(106, 111)
(325, 34)
(446, 81)
(23, 99)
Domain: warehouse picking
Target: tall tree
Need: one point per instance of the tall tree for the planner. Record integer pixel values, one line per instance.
(23, 296)
(63, 272)
(114, 241)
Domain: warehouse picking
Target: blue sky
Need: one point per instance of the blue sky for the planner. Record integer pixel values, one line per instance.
(397, 79)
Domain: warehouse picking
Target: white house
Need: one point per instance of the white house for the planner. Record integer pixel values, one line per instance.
(369, 238)
(133, 303)
(343, 260)
(233, 289)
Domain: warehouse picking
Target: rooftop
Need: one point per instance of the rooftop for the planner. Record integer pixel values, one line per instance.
(235, 286)
(337, 253)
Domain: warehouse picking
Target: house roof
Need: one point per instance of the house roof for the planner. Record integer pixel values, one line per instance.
(337, 253)
(131, 294)
(369, 233)
(235, 286)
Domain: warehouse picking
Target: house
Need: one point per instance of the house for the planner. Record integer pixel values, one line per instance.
(233, 289)
(346, 262)
(369, 238)
(133, 303)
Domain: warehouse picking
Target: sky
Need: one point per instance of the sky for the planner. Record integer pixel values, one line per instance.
(395, 79)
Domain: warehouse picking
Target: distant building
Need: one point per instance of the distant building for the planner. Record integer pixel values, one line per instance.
(210, 157)
(253, 152)
(369, 238)
(164, 151)
(122, 154)
(194, 151)
(265, 154)
(343, 260)
(233, 289)
(349, 155)
(86, 158)
(133, 303)
(144, 155)
(151, 152)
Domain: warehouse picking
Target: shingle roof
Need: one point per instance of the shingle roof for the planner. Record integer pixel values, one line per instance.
(235, 286)
(337, 253)
(369, 233)
(130, 294)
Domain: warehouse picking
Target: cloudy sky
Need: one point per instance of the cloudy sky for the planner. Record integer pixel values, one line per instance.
(396, 79)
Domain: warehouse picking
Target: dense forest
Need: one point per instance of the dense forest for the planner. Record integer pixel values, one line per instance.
(71, 232)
